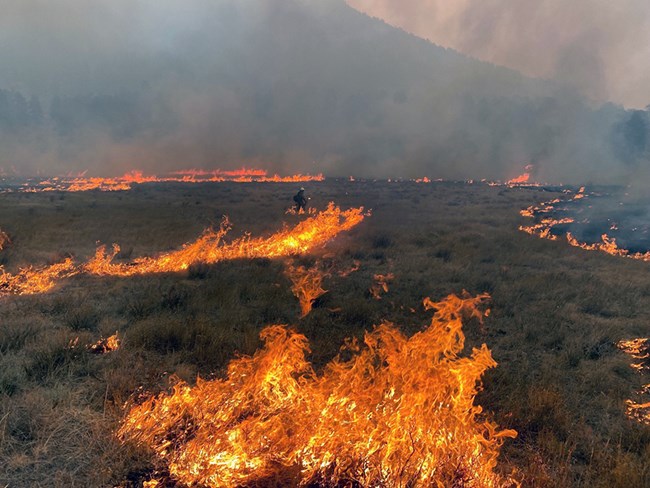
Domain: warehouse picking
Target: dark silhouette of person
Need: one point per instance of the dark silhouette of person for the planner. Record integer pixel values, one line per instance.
(301, 200)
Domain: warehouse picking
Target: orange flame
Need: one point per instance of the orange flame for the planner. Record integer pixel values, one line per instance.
(544, 230)
(523, 178)
(103, 346)
(307, 285)
(29, 281)
(209, 248)
(609, 246)
(81, 183)
(380, 285)
(399, 413)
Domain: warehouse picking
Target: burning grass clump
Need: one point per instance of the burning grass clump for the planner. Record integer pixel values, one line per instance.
(399, 412)
(306, 285)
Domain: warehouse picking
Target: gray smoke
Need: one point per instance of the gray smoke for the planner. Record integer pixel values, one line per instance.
(600, 48)
(290, 86)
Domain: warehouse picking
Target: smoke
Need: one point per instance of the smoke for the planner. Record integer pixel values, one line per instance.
(600, 48)
(292, 86)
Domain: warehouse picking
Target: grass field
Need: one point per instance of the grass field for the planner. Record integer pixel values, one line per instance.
(557, 313)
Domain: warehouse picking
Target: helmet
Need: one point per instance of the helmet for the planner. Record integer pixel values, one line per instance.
(302, 188)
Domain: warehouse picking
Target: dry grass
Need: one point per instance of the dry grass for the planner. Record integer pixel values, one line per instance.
(557, 311)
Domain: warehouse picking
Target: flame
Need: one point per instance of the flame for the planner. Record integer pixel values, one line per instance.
(30, 280)
(209, 248)
(80, 183)
(638, 349)
(380, 285)
(103, 346)
(523, 178)
(543, 229)
(399, 413)
(307, 285)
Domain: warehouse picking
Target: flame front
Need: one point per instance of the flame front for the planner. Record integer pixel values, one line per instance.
(209, 248)
(380, 285)
(399, 413)
(80, 182)
(544, 229)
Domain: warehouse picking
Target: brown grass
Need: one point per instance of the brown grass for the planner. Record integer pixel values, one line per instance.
(557, 312)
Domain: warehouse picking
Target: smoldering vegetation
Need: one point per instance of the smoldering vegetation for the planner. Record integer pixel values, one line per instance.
(557, 313)
(295, 85)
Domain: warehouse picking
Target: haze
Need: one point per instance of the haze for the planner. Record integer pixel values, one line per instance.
(600, 47)
(316, 86)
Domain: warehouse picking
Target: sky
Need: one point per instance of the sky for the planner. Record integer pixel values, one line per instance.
(600, 47)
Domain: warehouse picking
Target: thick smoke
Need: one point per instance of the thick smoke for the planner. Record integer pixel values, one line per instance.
(287, 85)
(600, 48)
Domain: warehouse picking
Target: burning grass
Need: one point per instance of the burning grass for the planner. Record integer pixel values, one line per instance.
(209, 248)
(81, 183)
(306, 285)
(399, 412)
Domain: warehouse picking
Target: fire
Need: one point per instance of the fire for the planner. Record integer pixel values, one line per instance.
(103, 346)
(30, 281)
(81, 183)
(543, 230)
(638, 349)
(4, 240)
(209, 248)
(523, 178)
(380, 284)
(307, 285)
(399, 413)
(544, 227)
(609, 246)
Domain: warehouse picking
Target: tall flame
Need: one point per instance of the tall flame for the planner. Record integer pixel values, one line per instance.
(638, 349)
(399, 413)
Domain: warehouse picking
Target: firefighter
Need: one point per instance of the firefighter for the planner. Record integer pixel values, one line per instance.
(301, 200)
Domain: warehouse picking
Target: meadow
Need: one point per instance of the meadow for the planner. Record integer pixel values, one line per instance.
(557, 314)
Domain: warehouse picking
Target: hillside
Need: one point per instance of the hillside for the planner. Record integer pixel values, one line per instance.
(284, 83)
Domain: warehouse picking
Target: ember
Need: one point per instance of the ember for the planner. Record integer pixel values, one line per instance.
(523, 178)
(638, 349)
(80, 183)
(399, 413)
(551, 225)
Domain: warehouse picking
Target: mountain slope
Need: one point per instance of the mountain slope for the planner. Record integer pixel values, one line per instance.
(303, 85)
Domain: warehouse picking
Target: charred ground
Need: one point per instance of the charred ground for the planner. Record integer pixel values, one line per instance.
(557, 313)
